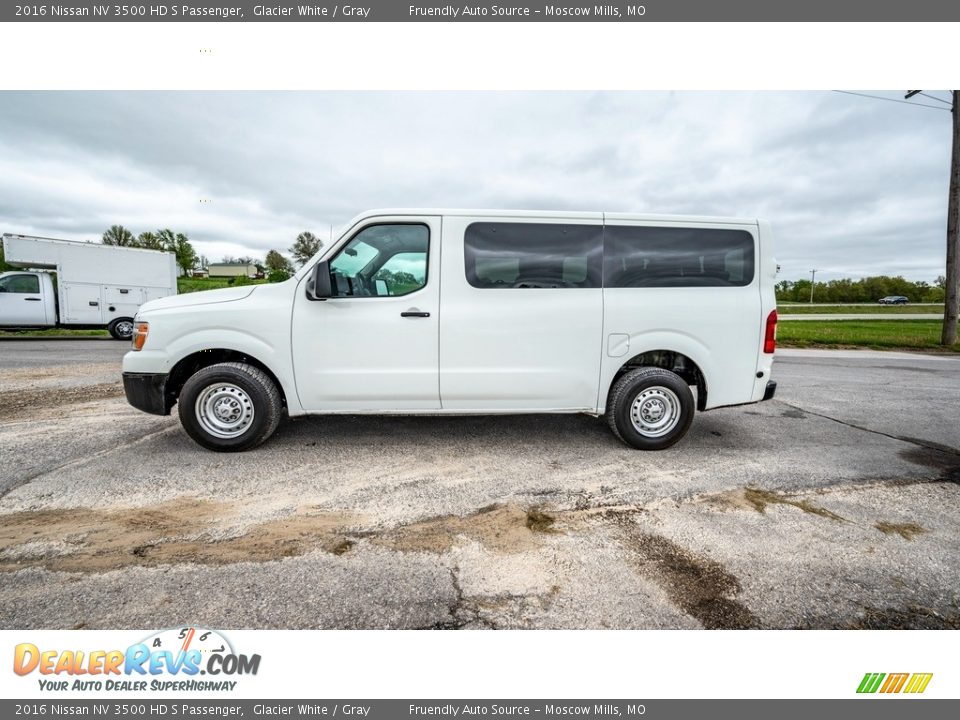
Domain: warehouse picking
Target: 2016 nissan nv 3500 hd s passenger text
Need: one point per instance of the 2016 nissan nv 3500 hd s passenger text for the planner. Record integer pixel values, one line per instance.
(639, 318)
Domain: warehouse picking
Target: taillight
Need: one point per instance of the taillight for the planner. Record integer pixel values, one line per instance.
(140, 332)
(770, 336)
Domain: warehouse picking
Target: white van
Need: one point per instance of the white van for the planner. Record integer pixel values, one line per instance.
(639, 318)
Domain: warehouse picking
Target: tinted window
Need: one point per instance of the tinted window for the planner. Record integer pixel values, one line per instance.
(676, 257)
(533, 255)
(20, 284)
(381, 260)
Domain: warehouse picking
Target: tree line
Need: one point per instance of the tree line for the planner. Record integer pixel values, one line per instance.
(277, 266)
(869, 289)
(166, 239)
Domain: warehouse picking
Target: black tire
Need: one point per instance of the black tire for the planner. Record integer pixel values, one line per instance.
(121, 328)
(238, 388)
(666, 393)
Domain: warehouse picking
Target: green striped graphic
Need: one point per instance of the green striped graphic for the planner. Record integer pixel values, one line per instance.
(870, 682)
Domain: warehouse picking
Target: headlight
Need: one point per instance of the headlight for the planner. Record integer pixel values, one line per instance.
(140, 332)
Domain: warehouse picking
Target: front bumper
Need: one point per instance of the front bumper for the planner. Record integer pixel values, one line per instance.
(771, 390)
(147, 392)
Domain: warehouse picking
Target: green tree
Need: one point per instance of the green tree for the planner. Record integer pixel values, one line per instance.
(305, 247)
(167, 239)
(120, 236)
(186, 255)
(150, 241)
(276, 262)
(179, 245)
(869, 289)
(3, 261)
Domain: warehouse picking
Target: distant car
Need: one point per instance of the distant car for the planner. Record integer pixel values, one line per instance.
(894, 300)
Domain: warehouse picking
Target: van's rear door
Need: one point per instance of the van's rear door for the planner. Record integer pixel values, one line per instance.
(684, 287)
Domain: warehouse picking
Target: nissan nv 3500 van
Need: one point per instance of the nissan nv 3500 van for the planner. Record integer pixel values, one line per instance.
(643, 319)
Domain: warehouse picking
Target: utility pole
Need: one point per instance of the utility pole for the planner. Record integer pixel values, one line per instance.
(813, 277)
(951, 306)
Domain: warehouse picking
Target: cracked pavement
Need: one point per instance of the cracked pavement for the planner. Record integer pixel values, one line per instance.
(835, 505)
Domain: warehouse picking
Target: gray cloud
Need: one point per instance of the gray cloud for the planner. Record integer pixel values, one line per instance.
(853, 186)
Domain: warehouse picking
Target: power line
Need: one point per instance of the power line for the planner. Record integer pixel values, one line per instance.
(934, 97)
(903, 102)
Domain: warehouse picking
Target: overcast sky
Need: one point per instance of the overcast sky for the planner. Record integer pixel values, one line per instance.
(854, 186)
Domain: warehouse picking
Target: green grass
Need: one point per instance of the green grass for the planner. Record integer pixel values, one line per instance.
(875, 334)
(802, 309)
(54, 332)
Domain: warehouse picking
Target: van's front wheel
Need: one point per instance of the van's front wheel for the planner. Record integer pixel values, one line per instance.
(650, 408)
(230, 407)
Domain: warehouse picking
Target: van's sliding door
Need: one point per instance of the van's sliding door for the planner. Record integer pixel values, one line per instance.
(522, 313)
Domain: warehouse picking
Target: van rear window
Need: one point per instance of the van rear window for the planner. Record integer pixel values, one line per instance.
(676, 257)
(533, 255)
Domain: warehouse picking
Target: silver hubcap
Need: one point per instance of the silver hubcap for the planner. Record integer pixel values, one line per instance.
(655, 411)
(224, 410)
(125, 329)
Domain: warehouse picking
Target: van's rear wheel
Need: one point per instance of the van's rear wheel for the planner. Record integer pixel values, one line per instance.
(230, 406)
(121, 328)
(650, 408)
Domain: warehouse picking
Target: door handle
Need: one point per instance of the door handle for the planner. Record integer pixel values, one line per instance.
(414, 313)
(32, 299)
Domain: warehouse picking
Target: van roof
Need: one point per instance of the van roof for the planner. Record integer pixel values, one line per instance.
(569, 214)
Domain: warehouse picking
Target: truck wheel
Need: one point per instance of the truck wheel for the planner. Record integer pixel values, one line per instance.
(230, 407)
(650, 408)
(121, 328)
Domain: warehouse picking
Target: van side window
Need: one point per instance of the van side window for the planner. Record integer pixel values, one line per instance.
(533, 255)
(676, 257)
(382, 260)
(20, 284)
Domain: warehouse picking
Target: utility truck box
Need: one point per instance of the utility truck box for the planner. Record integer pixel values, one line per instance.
(95, 285)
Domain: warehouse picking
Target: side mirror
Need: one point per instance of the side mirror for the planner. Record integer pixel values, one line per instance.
(318, 285)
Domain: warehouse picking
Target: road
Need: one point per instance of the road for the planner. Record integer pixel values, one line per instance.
(835, 505)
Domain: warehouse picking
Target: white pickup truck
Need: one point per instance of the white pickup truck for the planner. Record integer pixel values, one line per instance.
(95, 286)
(643, 319)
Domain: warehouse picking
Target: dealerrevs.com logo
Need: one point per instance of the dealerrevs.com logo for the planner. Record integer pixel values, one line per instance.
(910, 683)
(168, 660)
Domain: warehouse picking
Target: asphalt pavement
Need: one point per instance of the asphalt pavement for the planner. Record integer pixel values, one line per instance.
(834, 505)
